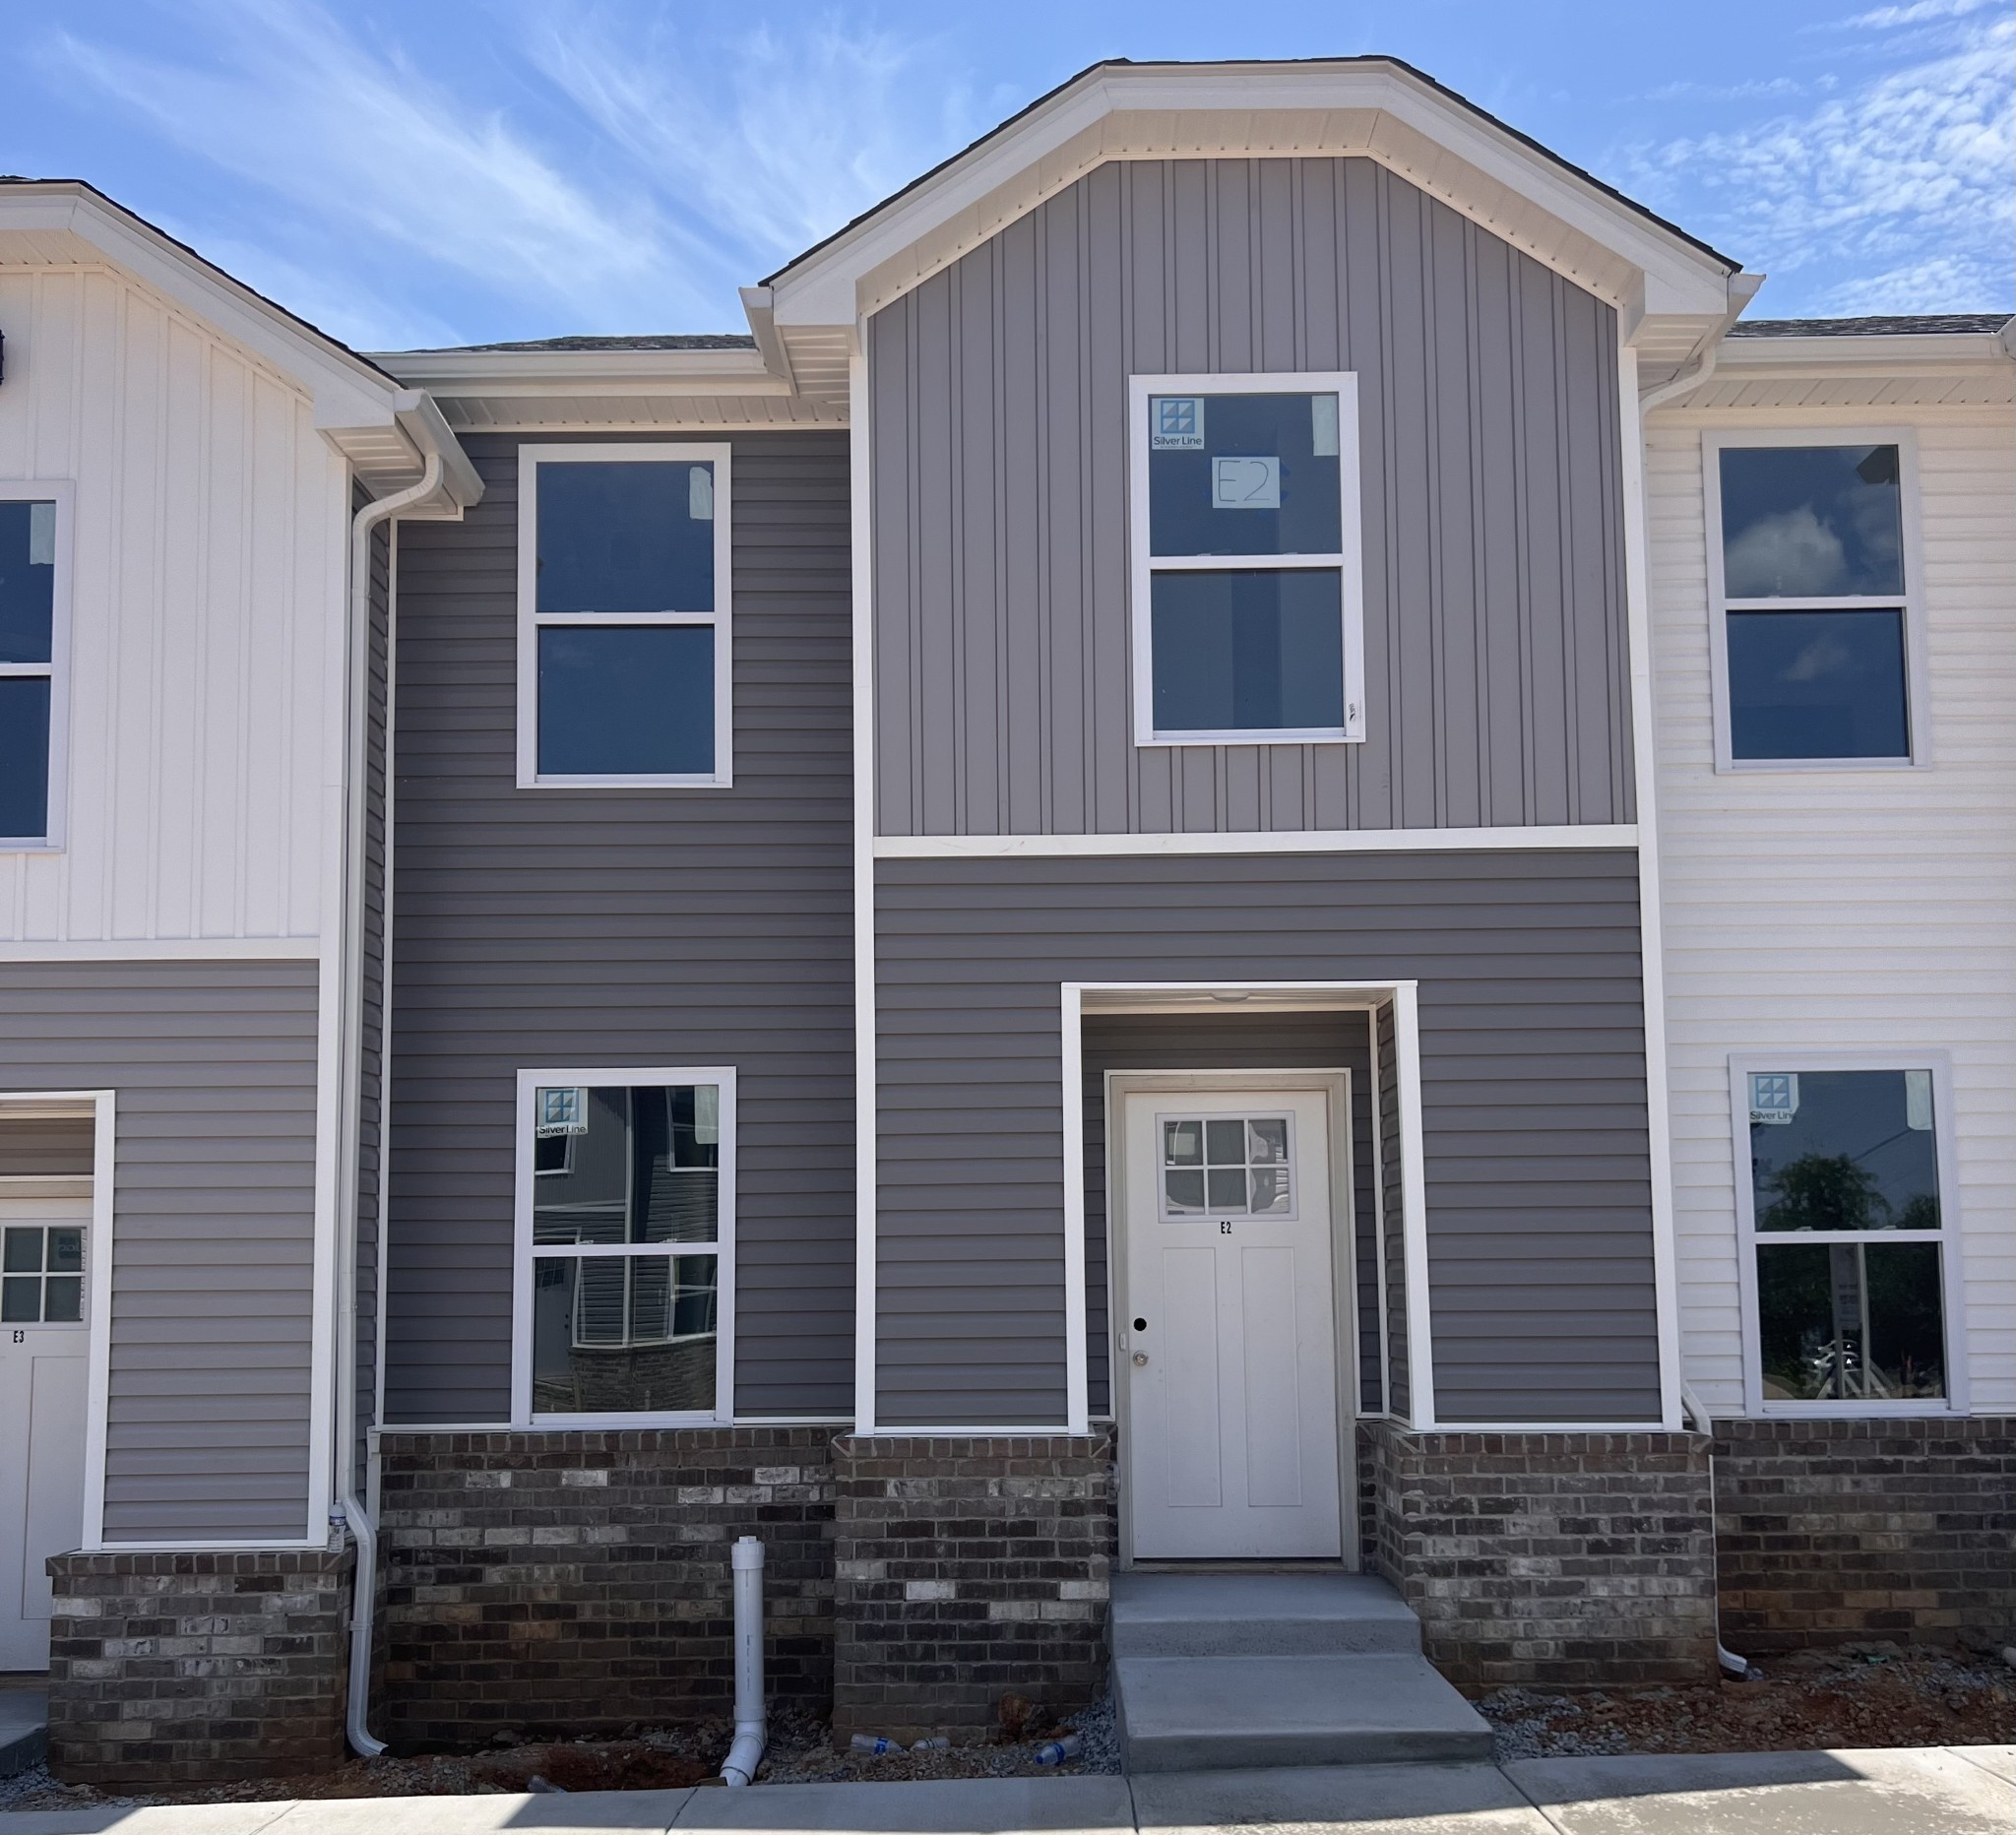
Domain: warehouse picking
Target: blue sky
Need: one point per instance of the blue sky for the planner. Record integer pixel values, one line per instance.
(449, 171)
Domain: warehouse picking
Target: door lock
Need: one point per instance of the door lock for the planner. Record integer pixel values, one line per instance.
(1140, 1358)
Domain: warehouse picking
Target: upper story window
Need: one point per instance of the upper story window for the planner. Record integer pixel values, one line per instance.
(1846, 1215)
(1817, 639)
(623, 626)
(30, 703)
(1248, 612)
(625, 1247)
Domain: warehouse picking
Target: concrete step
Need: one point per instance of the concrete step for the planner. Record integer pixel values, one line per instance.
(1260, 1615)
(1226, 1713)
(24, 1728)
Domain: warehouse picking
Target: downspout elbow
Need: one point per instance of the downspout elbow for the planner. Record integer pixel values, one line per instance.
(1698, 1417)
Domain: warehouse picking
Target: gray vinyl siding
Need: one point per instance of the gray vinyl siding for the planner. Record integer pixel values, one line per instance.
(214, 1069)
(1539, 1187)
(51, 1147)
(612, 928)
(1496, 675)
(1230, 1042)
(1393, 1214)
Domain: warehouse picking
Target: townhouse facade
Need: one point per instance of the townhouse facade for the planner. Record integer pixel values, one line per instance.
(1124, 892)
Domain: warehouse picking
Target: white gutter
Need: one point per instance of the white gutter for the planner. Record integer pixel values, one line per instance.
(1701, 365)
(1729, 1661)
(364, 1581)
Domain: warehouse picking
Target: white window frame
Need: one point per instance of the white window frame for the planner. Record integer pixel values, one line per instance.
(1348, 563)
(61, 492)
(1917, 683)
(530, 621)
(1953, 1286)
(723, 1414)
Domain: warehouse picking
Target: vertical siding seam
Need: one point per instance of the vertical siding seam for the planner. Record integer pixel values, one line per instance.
(1396, 610)
(1565, 458)
(1522, 573)
(1003, 548)
(1479, 529)
(1044, 562)
(957, 606)
(1089, 607)
(1431, 492)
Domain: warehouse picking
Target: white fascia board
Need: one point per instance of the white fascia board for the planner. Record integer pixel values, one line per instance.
(1385, 113)
(1859, 352)
(347, 390)
(549, 373)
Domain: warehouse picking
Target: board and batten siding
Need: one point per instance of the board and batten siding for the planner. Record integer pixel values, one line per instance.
(1533, 1093)
(587, 927)
(207, 1429)
(1865, 911)
(1118, 1041)
(1488, 391)
(207, 587)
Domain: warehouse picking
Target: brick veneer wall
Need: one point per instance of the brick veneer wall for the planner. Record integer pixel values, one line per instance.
(1836, 1531)
(577, 1582)
(967, 1568)
(1560, 1559)
(212, 1665)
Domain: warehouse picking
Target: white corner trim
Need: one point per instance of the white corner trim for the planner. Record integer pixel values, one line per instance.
(860, 453)
(1281, 840)
(1076, 1401)
(724, 1248)
(720, 619)
(1665, 1295)
(1414, 1206)
(102, 1107)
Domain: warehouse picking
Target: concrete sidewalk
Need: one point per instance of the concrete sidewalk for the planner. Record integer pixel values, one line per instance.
(1926, 1791)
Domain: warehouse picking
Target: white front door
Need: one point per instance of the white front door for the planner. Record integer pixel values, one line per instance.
(1227, 1335)
(43, 1343)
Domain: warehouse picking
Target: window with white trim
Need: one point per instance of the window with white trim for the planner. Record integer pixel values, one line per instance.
(625, 1233)
(31, 664)
(1248, 616)
(1845, 1198)
(624, 639)
(1816, 631)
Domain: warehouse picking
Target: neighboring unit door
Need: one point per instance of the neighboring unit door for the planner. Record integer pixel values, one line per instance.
(1228, 1335)
(44, 1243)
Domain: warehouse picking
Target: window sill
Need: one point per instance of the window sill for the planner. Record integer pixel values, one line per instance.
(1262, 736)
(689, 781)
(1854, 1410)
(581, 1423)
(1773, 767)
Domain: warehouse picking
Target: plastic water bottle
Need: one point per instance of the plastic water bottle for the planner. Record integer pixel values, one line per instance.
(940, 1745)
(873, 1744)
(1057, 1752)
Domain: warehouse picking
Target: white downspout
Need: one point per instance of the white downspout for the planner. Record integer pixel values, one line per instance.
(752, 1733)
(1729, 1661)
(363, 1598)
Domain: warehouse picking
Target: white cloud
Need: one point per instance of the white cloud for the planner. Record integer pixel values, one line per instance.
(285, 98)
(1792, 551)
(773, 139)
(1905, 174)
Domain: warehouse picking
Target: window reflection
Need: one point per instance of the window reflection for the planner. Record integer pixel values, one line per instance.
(1238, 651)
(1817, 684)
(640, 1166)
(1811, 522)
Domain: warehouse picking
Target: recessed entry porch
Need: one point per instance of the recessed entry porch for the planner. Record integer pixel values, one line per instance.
(1242, 1218)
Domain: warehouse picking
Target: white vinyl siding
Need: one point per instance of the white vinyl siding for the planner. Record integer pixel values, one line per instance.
(1850, 911)
(205, 594)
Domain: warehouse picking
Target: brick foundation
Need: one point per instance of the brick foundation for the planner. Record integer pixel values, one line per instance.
(1832, 1532)
(966, 1568)
(1564, 1559)
(578, 1582)
(212, 1665)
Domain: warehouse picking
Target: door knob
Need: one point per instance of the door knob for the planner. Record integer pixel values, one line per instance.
(1140, 1358)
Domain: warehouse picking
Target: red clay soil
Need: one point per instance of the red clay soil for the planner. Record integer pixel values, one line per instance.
(1867, 1695)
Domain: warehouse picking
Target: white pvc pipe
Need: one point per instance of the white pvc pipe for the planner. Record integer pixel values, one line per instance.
(1690, 1403)
(751, 1728)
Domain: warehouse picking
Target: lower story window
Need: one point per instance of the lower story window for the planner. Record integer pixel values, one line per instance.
(625, 1233)
(1848, 1224)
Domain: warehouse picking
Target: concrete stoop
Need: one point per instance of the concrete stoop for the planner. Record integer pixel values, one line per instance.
(1218, 1672)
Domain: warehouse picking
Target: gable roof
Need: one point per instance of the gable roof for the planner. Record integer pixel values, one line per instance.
(382, 427)
(1672, 291)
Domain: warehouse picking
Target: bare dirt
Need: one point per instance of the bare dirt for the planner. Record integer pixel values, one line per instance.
(801, 1750)
(1859, 1696)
